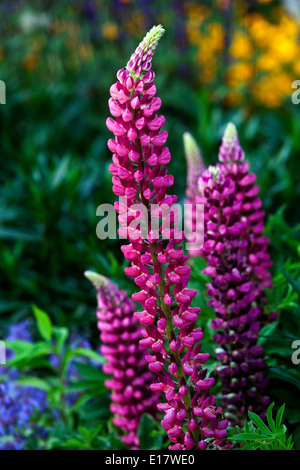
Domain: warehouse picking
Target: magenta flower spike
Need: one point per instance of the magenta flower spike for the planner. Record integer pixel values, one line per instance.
(195, 168)
(238, 264)
(158, 264)
(126, 360)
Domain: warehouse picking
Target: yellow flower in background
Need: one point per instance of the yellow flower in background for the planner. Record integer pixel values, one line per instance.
(261, 31)
(239, 73)
(290, 26)
(110, 31)
(267, 63)
(198, 12)
(266, 95)
(271, 91)
(216, 36)
(241, 47)
(283, 48)
(263, 55)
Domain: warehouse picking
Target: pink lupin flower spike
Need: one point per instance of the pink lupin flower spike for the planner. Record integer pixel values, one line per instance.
(238, 264)
(126, 359)
(158, 263)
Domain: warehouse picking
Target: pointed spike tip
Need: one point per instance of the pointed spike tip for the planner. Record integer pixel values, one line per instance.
(191, 149)
(154, 35)
(188, 139)
(140, 61)
(96, 279)
(230, 133)
(230, 150)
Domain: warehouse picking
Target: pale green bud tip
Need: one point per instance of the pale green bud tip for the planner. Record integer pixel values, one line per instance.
(140, 61)
(191, 148)
(96, 279)
(230, 133)
(153, 36)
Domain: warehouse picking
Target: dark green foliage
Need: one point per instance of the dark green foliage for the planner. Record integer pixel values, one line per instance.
(150, 434)
(256, 435)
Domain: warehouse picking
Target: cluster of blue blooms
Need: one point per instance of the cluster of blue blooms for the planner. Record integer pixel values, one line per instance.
(22, 408)
(19, 404)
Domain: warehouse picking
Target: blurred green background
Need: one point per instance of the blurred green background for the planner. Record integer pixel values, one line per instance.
(219, 61)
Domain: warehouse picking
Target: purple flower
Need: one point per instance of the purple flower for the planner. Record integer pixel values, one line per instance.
(18, 405)
(238, 264)
(20, 332)
(126, 359)
(158, 263)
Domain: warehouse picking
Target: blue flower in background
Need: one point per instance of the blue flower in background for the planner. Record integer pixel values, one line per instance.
(23, 407)
(20, 332)
(19, 404)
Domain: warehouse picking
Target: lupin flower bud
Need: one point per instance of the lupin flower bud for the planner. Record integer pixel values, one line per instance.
(195, 164)
(158, 264)
(126, 359)
(238, 264)
(195, 168)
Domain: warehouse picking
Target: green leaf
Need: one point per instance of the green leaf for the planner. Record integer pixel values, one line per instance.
(75, 444)
(266, 332)
(292, 282)
(19, 346)
(27, 357)
(249, 437)
(34, 382)
(149, 437)
(87, 353)
(43, 323)
(87, 434)
(259, 423)
(90, 373)
(91, 385)
(101, 443)
(61, 334)
(270, 419)
(279, 417)
(252, 446)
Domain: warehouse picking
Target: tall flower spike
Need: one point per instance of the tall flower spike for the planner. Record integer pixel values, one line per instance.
(126, 361)
(158, 263)
(238, 261)
(195, 168)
